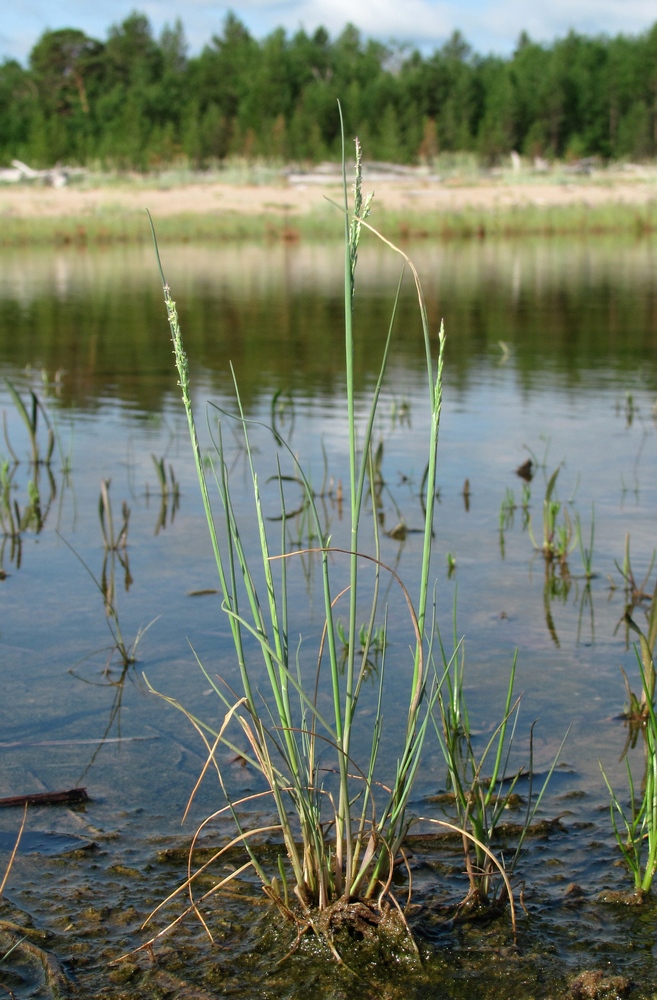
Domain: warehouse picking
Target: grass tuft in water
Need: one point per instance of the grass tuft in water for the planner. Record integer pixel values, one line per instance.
(559, 535)
(635, 828)
(113, 541)
(635, 591)
(637, 710)
(30, 417)
(341, 824)
(480, 781)
(115, 552)
(586, 551)
(169, 493)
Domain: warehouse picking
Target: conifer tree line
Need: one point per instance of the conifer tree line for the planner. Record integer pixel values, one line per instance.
(140, 101)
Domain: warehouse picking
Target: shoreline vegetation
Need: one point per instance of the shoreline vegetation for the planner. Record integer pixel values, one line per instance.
(268, 205)
(134, 100)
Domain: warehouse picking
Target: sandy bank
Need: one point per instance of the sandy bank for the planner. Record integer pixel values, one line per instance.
(299, 199)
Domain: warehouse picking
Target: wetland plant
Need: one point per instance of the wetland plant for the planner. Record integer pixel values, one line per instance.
(559, 535)
(637, 710)
(635, 829)
(115, 551)
(282, 413)
(508, 508)
(635, 591)
(480, 784)
(479, 798)
(113, 542)
(169, 485)
(586, 551)
(371, 643)
(127, 651)
(30, 417)
(341, 822)
(507, 511)
(14, 519)
(169, 492)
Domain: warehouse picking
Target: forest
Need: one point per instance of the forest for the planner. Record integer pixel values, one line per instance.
(137, 101)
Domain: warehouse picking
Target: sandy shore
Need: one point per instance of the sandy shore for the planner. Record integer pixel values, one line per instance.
(298, 198)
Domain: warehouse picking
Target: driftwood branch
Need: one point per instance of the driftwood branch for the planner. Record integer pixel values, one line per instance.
(69, 797)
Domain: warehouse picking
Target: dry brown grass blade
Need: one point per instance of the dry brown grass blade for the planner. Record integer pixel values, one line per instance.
(211, 752)
(147, 945)
(407, 259)
(385, 890)
(410, 875)
(318, 934)
(14, 852)
(489, 854)
(199, 871)
(367, 856)
(405, 923)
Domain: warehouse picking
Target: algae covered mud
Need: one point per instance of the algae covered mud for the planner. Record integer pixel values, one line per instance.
(551, 358)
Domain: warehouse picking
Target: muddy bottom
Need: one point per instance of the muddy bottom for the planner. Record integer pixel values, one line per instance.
(68, 921)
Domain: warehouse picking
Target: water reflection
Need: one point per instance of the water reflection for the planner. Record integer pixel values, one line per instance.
(586, 311)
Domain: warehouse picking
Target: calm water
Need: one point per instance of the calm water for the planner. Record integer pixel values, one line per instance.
(551, 353)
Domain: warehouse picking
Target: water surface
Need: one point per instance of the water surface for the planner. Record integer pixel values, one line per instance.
(551, 353)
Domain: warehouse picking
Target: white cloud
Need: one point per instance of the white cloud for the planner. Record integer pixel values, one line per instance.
(496, 25)
(489, 25)
(414, 19)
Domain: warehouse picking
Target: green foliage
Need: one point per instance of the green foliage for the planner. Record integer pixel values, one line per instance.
(586, 551)
(636, 829)
(342, 826)
(479, 780)
(30, 418)
(559, 535)
(138, 101)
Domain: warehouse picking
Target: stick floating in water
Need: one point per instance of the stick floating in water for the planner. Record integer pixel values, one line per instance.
(70, 796)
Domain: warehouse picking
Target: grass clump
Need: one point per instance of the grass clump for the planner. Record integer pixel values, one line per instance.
(30, 416)
(41, 487)
(559, 535)
(481, 783)
(635, 828)
(340, 821)
(636, 713)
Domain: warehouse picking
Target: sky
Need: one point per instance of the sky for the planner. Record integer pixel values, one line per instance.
(488, 25)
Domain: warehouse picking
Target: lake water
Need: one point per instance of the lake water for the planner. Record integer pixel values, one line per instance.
(551, 354)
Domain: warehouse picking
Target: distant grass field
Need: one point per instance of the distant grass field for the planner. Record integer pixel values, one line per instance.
(470, 223)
